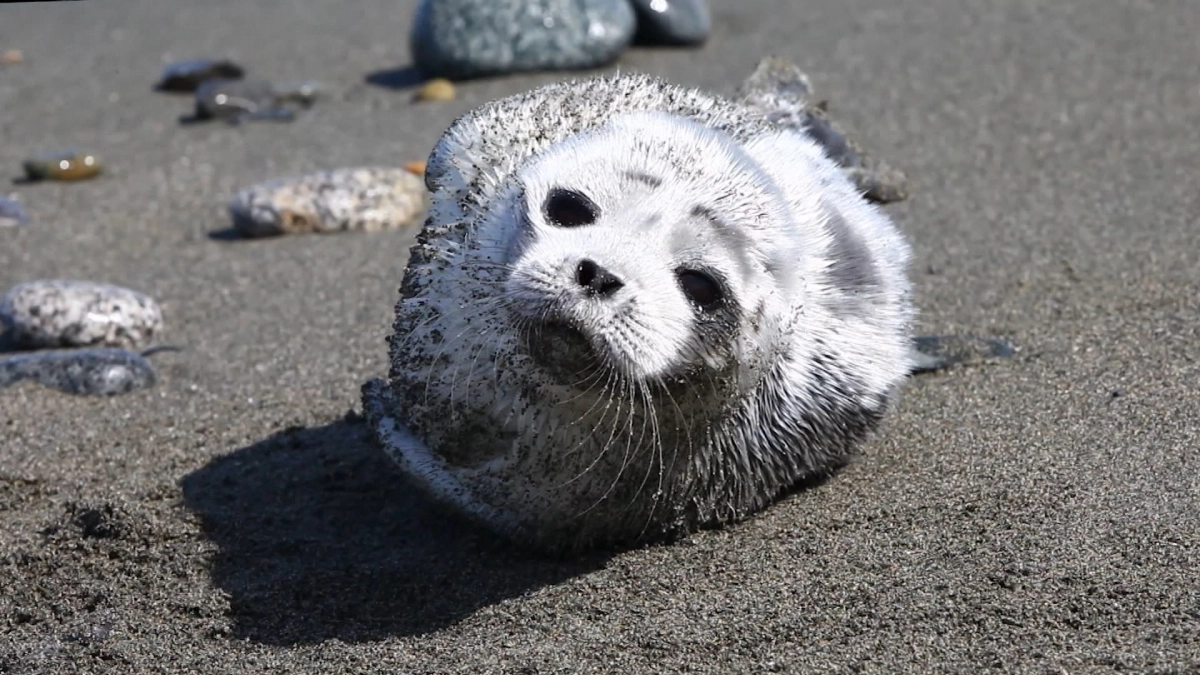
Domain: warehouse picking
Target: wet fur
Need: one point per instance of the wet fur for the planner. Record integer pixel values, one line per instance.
(655, 419)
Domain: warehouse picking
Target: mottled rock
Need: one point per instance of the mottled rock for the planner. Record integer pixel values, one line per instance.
(672, 22)
(936, 352)
(364, 199)
(783, 92)
(66, 313)
(65, 165)
(460, 39)
(12, 214)
(85, 372)
(186, 76)
(437, 89)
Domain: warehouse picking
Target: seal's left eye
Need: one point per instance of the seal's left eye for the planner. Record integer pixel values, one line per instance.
(568, 208)
(699, 288)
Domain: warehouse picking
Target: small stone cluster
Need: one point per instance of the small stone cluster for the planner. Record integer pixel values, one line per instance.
(79, 337)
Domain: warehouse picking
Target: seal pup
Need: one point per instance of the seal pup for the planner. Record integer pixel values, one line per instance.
(636, 310)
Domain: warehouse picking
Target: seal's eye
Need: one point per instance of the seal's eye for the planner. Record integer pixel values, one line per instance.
(568, 208)
(699, 288)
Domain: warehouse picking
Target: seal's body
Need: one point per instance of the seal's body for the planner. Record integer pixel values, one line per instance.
(636, 310)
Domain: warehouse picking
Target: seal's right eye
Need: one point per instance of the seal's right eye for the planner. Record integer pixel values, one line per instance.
(568, 208)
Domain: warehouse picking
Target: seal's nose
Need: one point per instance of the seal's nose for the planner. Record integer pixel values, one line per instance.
(595, 280)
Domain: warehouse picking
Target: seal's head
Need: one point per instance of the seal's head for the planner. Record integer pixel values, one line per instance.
(648, 245)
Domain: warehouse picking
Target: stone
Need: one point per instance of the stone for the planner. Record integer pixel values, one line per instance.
(12, 214)
(187, 76)
(672, 22)
(84, 372)
(462, 39)
(357, 199)
(237, 101)
(64, 165)
(67, 313)
(437, 89)
(931, 353)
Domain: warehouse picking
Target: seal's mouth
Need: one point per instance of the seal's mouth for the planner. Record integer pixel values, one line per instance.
(562, 348)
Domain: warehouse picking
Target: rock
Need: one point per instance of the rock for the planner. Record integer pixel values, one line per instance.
(12, 214)
(937, 352)
(186, 76)
(64, 313)
(66, 165)
(672, 22)
(437, 89)
(366, 199)
(85, 372)
(237, 101)
(461, 39)
(783, 92)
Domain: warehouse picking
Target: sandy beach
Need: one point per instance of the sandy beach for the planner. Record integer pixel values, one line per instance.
(1040, 515)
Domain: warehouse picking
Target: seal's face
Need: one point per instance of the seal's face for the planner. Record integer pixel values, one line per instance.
(627, 258)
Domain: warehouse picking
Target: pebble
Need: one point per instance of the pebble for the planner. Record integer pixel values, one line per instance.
(66, 165)
(65, 313)
(85, 372)
(936, 352)
(237, 101)
(186, 76)
(437, 89)
(784, 93)
(11, 57)
(672, 22)
(365, 199)
(12, 214)
(461, 39)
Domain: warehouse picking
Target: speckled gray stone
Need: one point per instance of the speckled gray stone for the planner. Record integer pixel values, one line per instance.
(64, 313)
(460, 39)
(12, 214)
(362, 199)
(672, 22)
(85, 372)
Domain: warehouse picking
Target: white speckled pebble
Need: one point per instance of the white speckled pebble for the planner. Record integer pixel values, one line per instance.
(64, 313)
(365, 199)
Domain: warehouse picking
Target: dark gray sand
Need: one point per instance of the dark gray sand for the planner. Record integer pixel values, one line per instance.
(1040, 515)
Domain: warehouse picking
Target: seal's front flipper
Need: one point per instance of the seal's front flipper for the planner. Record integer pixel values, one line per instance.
(777, 81)
(929, 353)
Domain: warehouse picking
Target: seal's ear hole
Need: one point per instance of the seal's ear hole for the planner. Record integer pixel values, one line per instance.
(700, 288)
(568, 208)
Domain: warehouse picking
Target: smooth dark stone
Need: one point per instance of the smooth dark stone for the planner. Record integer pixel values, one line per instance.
(461, 39)
(186, 76)
(672, 22)
(237, 101)
(84, 372)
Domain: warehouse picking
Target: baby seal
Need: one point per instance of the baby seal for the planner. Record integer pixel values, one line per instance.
(636, 310)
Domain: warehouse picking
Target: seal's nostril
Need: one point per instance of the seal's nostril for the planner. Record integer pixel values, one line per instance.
(596, 280)
(585, 273)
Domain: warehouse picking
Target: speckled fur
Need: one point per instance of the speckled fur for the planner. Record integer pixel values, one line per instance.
(68, 313)
(363, 199)
(680, 426)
